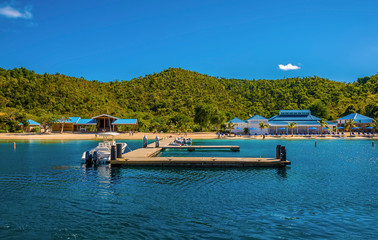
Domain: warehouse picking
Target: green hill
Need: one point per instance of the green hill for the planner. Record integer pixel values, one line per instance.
(170, 97)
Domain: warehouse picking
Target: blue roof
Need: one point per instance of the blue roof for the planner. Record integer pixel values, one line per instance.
(356, 117)
(299, 123)
(31, 122)
(256, 117)
(125, 121)
(294, 116)
(295, 112)
(86, 121)
(69, 120)
(236, 120)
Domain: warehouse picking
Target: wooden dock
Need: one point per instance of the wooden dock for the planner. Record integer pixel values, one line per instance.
(145, 157)
(192, 148)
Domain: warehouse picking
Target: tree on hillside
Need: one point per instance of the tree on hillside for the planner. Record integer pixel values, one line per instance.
(371, 110)
(203, 113)
(319, 109)
(218, 118)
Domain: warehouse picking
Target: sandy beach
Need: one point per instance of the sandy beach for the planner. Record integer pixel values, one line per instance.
(140, 135)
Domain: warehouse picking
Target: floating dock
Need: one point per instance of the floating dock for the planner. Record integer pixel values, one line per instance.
(192, 148)
(146, 157)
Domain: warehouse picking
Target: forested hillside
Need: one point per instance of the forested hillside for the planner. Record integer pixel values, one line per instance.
(175, 98)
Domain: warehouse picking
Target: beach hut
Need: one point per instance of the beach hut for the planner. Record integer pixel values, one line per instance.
(68, 124)
(238, 125)
(31, 124)
(359, 120)
(86, 124)
(131, 123)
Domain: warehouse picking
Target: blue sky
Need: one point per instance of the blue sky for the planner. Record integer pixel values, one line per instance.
(108, 40)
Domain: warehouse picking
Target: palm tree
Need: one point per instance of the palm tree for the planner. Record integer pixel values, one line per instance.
(349, 124)
(230, 126)
(291, 125)
(373, 124)
(323, 124)
(263, 125)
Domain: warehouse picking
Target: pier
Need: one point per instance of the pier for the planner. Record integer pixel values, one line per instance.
(192, 148)
(147, 157)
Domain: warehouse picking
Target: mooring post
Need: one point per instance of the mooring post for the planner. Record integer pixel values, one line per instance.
(278, 152)
(315, 143)
(283, 153)
(119, 150)
(372, 144)
(157, 141)
(145, 141)
(113, 153)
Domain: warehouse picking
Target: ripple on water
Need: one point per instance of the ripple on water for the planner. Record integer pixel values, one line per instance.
(328, 193)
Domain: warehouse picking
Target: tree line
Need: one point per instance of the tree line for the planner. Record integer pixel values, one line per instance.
(177, 99)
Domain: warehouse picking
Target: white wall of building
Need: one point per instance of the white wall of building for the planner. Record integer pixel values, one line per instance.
(254, 123)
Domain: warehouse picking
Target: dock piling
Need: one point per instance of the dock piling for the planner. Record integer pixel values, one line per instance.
(157, 141)
(119, 150)
(278, 152)
(283, 153)
(113, 153)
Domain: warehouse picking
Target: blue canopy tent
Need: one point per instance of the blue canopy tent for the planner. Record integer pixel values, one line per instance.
(340, 128)
(369, 127)
(312, 128)
(354, 128)
(252, 128)
(282, 128)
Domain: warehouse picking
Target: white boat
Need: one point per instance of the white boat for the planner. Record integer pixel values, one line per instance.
(101, 153)
(183, 141)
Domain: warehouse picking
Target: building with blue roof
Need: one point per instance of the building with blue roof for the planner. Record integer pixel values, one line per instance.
(100, 123)
(238, 125)
(253, 124)
(305, 122)
(31, 124)
(360, 120)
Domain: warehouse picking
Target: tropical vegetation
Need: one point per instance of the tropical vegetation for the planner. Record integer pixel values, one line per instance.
(177, 99)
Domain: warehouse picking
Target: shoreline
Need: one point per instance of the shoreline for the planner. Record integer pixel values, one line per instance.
(151, 136)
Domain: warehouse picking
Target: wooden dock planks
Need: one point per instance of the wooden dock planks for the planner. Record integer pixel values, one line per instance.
(215, 147)
(144, 157)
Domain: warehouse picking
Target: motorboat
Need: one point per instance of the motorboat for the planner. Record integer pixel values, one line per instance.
(183, 141)
(101, 153)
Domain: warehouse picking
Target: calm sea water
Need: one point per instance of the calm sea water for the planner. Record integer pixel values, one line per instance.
(329, 192)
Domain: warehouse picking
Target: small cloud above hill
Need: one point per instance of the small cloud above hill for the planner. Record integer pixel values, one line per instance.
(288, 67)
(10, 12)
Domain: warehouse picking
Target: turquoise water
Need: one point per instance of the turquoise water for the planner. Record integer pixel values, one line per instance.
(329, 192)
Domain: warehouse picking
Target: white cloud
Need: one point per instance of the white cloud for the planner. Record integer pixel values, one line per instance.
(10, 12)
(288, 67)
